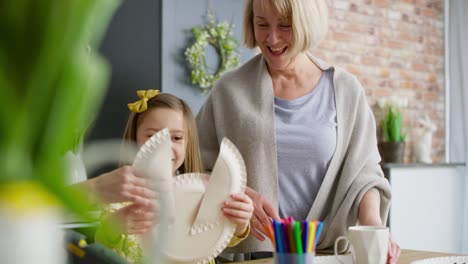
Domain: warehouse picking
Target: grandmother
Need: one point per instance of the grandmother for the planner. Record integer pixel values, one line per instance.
(303, 127)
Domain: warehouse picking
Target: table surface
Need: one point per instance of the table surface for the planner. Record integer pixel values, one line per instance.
(407, 256)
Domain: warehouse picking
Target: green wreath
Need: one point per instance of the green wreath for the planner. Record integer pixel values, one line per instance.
(220, 37)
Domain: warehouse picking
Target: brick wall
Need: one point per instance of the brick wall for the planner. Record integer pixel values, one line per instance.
(394, 47)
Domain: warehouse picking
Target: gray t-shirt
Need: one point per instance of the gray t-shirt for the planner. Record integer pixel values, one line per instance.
(306, 140)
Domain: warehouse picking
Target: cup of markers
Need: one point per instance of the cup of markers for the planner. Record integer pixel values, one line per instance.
(294, 241)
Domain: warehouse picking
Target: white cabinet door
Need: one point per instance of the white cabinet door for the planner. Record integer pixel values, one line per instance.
(427, 207)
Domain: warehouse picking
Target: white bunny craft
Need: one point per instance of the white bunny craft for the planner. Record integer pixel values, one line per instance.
(423, 141)
(192, 227)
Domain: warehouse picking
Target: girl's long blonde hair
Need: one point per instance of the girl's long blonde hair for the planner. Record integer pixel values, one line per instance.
(192, 161)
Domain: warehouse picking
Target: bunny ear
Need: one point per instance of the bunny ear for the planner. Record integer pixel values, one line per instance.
(154, 161)
(228, 176)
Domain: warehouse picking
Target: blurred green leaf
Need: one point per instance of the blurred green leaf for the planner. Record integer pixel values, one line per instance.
(52, 82)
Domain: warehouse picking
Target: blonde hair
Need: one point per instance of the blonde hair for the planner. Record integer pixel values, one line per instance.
(309, 21)
(192, 161)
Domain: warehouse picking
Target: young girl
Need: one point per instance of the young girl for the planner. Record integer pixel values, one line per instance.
(152, 113)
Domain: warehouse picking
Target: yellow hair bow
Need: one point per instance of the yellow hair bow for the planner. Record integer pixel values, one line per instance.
(141, 105)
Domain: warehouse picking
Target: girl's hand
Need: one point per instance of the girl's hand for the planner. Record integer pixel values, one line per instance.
(137, 219)
(263, 213)
(239, 210)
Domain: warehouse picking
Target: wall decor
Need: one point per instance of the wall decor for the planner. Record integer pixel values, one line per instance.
(218, 35)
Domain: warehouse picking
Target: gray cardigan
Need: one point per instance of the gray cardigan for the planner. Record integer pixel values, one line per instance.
(241, 108)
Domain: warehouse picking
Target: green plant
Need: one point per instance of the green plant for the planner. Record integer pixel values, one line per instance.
(52, 82)
(220, 37)
(392, 121)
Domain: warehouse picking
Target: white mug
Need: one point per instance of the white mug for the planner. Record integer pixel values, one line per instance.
(369, 244)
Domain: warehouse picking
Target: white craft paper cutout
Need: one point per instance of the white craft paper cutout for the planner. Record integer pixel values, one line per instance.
(196, 231)
(183, 247)
(228, 177)
(154, 160)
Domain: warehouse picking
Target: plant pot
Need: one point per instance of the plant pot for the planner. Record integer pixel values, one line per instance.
(29, 231)
(392, 152)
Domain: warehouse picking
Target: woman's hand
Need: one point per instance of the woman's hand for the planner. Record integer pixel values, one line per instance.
(369, 214)
(394, 252)
(124, 184)
(239, 210)
(136, 219)
(263, 213)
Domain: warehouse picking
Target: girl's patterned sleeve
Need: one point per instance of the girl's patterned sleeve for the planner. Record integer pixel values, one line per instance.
(237, 239)
(127, 246)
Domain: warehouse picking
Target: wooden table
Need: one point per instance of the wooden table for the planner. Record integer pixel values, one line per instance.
(407, 256)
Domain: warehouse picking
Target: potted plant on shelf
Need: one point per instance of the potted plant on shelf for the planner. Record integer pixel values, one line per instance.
(392, 148)
(51, 84)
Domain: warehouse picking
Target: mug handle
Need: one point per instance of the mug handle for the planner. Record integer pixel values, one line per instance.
(336, 249)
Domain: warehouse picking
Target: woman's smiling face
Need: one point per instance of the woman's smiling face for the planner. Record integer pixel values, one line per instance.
(273, 34)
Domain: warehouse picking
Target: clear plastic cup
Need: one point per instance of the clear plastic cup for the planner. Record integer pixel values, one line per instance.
(292, 258)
